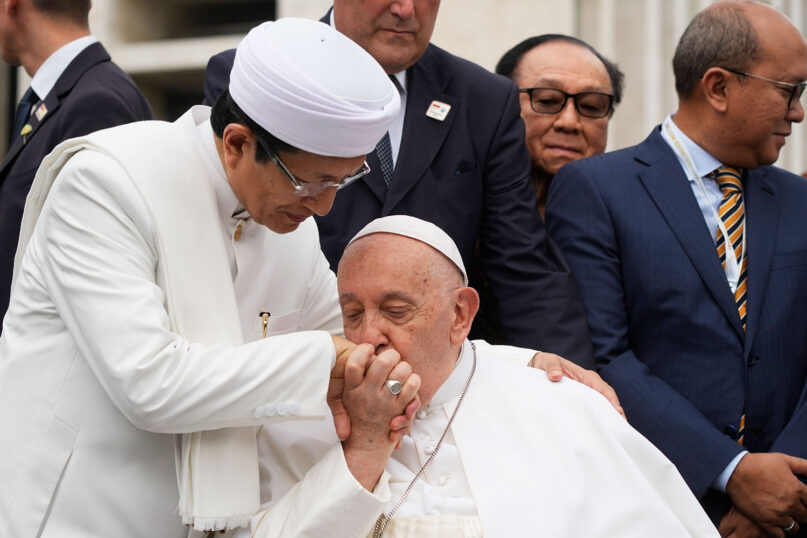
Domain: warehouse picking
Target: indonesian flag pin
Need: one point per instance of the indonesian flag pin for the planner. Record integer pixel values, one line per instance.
(40, 112)
(438, 110)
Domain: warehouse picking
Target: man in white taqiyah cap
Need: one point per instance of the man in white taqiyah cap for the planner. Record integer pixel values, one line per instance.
(164, 277)
(497, 450)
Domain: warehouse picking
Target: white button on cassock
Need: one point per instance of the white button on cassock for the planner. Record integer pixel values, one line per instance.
(258, 413)
(269, 410)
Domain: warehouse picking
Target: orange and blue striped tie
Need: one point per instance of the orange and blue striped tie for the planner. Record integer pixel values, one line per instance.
(732, 213)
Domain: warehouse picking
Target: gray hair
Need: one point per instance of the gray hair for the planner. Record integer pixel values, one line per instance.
(719, 36)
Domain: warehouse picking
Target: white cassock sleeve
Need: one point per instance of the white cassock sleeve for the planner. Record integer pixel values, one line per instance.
(94, 251)
(328, 501)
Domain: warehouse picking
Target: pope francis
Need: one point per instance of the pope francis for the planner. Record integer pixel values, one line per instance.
(168, 270)
(497, 450)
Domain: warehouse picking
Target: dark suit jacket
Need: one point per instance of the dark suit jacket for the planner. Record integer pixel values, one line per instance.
(666, 332)
(92, 94)
(469, 174)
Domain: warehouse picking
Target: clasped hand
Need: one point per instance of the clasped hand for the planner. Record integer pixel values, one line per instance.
(363, 408)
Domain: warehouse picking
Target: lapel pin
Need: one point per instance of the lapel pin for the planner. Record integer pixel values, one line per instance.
(438, 110)
(26, 130)
(40, 112)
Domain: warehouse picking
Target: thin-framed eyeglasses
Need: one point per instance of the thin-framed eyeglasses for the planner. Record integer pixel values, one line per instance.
(312, 188)
(796, 90)
(552, 101)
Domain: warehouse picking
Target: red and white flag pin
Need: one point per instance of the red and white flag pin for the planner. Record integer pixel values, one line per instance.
(40, 112)
(438, 110)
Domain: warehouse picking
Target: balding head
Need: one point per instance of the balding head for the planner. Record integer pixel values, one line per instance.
(737, 66)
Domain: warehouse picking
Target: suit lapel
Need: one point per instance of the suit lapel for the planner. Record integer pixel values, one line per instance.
(761, 214)
(422, 136)
(667, 185)
(87, 58)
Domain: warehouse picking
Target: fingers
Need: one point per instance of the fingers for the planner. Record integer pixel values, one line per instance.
(550, 363)
(556, 367)
(356, 365)
(400, 425)
(381, 367)
(797, 465)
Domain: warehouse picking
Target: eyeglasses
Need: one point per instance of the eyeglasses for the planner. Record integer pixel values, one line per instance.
(795, 89)
(312, 188)
(552, 101)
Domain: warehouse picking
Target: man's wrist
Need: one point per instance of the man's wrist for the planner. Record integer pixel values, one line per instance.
(723, 478)
(366, 464)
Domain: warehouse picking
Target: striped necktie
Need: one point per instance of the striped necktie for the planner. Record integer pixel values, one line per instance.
(732, 213)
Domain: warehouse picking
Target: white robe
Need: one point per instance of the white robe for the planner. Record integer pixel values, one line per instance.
(93, 377)
(524, 457)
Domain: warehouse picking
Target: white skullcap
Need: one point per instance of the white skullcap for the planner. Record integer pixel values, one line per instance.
(313, 88)
(423, 231)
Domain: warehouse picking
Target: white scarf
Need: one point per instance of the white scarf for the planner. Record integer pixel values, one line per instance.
(217, 470)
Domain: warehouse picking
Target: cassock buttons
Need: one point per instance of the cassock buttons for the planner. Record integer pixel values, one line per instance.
(237, 232)
(258, 413)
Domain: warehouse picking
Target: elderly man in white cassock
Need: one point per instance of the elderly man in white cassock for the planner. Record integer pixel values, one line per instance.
(497, 451)
(168, 269)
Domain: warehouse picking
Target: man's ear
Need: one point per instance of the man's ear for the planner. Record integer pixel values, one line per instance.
(716, 88)
(465, 309)
(234, 142)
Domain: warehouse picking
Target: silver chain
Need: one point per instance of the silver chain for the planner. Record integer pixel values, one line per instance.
(383, 519)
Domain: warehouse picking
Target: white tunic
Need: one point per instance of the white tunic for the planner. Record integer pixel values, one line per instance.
(524, 457)
(94, 380)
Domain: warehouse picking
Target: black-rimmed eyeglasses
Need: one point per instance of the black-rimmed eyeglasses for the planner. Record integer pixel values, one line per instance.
(312, 188)
(795, 89)
(552, 101)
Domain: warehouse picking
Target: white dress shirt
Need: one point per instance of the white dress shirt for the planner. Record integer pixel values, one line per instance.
(51, 69)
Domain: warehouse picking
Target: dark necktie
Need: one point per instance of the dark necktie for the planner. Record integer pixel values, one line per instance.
(384, 149)
(29, 99)
(384, 152)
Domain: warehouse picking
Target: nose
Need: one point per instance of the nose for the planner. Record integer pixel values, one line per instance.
(321, 203)
(372, 332)
(568, 119)
(796, 112)
(404, 9)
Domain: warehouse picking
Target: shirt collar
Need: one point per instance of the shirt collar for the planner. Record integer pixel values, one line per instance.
(225, 197)
(703, 161)
(49, 72)
(452, 387)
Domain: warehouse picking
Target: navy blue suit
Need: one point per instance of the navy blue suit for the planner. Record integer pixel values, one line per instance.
(92, 94)
(666, 331)
(469, 174)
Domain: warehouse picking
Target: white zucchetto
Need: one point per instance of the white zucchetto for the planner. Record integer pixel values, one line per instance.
(312, 87)
(415, 228)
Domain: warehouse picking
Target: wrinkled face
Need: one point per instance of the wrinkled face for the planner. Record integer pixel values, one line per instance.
(391, 299)
(268, 195)
(395, 33)
(758, 119)
(556, 139)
